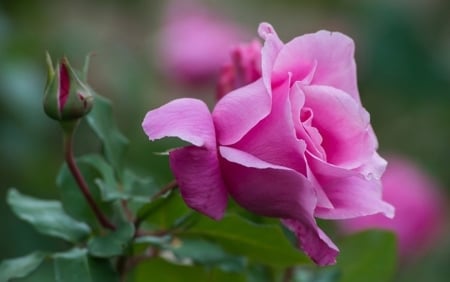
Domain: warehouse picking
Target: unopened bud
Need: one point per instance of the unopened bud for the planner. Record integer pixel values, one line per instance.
(243, 68)
(66, 97)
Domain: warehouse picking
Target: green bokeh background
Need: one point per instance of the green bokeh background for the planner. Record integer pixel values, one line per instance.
(402, 53)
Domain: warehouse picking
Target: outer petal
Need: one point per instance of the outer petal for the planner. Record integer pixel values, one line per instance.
(350, 192)
(198, 175)
(313, 241)
(239, 111)
(196, 169)
(330, 53)
(344, 125)
(272, 47)
(276, 191)
(374, 168)
(187, 119)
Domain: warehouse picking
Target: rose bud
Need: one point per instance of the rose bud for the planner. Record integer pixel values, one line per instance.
(243, 68)
(66, 97)
(193, 42)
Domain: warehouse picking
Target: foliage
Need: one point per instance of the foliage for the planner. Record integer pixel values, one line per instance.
(403, 63)
(154, 233)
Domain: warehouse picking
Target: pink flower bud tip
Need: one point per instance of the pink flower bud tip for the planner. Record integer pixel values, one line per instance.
(67, 97)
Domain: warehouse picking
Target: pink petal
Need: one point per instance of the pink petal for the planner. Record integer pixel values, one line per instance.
(273, 139)
(350, 192)
(64, 84)
(239, 111)
(265, 188)
(313, 241)
(374, 168)
(200, 181)
(322, 197)
(330, 55)
(187, 119)
(272, 47)
(344, 125)
(276, 191)
(303, 118)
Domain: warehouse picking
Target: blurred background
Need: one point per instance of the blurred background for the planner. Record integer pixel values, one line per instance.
(402, 54)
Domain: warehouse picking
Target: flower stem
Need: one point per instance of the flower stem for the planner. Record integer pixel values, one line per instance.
(70, 160)
(125, 264)
(288, 274)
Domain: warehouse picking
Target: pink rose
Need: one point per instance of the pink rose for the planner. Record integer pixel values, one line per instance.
(295, 144)
(419, 208)
(193, 42)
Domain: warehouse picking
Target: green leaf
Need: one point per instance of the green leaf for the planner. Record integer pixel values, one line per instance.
(262, 243)
(317, 274)
(165, 211)
(20, 267)
(47, 217)
(99, 173)
(113, 244)
(207, 253)
(101, 120)
(369, 256)
(139, 189)
(75, 266)
(160, 270)
(106, 182)
(159, 241)
(259, 273)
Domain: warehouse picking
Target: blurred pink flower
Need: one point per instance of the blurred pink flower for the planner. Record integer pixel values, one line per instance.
(194, 42)
(419, 208)
(295, 144)
(244, 67)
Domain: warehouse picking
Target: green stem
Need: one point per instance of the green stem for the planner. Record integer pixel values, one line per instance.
(70, 160)
(288, 274)
(126, 264)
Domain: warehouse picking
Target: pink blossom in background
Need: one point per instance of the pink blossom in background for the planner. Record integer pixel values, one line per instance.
(419, 208)
(193, 42)
(295, 144)
(244, 67)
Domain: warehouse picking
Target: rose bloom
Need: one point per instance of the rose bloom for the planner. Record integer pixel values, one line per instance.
(419, 208)
(295, 144)
(193, 42)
